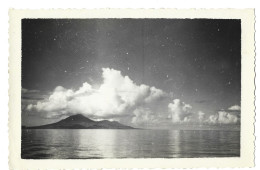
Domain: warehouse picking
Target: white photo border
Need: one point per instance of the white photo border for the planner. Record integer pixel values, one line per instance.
(246, 158)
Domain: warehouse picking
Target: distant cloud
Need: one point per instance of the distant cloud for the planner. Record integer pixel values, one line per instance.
(235, 107)
(223, 117)
(213, 119)
(114, 98)
(24, 91)
(32, 98)
(179, 111)
(201, 116)
(144, 117)
(229, 116)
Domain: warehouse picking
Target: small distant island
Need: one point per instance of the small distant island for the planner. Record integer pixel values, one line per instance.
(81, 122)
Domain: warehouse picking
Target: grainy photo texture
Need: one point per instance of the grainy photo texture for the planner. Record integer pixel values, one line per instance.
(131, 89)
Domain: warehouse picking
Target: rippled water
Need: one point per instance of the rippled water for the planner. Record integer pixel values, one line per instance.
(89, 143)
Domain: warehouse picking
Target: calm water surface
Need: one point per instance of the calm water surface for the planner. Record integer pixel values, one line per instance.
(89, 143)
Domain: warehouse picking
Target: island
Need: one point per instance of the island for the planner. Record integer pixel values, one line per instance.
(81, 122)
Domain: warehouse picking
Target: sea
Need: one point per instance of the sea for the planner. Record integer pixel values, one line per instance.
(130, 143)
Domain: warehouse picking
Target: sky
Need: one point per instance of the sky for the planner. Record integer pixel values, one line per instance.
(156, 73)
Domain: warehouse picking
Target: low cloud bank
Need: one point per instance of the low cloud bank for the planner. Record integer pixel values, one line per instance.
(119, 98)
(224, 117)
(181, 112)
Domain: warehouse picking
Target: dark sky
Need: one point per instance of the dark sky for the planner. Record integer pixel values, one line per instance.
(197, 60)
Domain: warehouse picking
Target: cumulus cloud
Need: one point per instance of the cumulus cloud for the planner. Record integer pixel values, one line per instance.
(225, 116)
(179, 111)
(213, 119)
(144, 117)
(30, 97)
(113, 98)
(201, 116)
(235, 108)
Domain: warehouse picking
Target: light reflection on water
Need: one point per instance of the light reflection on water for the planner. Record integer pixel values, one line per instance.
(91, 144)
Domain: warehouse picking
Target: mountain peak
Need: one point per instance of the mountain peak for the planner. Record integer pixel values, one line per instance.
(77, 117)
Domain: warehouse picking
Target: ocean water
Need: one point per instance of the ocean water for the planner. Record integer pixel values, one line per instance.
(98, 144)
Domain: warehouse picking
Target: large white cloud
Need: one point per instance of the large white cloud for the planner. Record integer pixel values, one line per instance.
(115, 97)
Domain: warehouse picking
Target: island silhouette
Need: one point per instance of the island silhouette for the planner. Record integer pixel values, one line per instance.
(81, 122)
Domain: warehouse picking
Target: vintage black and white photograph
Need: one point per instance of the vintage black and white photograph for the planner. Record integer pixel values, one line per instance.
(130, 88)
